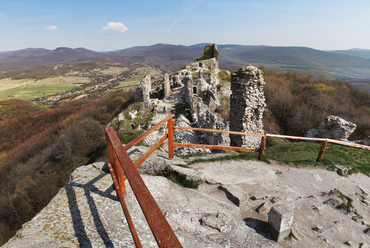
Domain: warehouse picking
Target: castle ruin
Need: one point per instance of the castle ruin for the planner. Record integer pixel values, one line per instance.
(247, 104)
(196, 87)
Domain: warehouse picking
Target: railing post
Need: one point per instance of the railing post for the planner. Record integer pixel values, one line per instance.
(117, 168)
(322, 150)
(170, 138)
(262, 148)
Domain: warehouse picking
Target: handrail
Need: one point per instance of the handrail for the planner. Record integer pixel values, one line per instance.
(121, 168)
(147, 132)
(161, 230)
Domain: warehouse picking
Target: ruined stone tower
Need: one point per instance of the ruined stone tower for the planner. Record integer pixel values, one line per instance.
(247, 103)
(166, 85)
(143, 89)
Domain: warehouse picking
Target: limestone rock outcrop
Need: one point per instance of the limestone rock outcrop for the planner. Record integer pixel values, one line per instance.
(247, 104)
(86, 213)
(332, 127)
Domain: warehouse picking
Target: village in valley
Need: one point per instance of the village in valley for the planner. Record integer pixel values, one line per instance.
(71, 94)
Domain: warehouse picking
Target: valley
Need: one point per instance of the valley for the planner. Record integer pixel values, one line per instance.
(38, 139)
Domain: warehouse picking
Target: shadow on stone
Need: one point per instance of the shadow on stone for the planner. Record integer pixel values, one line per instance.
(78, 225)
(261, 227)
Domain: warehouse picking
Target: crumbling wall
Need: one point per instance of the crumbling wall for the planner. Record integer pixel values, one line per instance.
(247, 104)
(143, 89)
(166, 85)
(210, 51)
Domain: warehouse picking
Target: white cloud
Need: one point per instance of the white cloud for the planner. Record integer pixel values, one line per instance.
(115, 26)
(51, 29)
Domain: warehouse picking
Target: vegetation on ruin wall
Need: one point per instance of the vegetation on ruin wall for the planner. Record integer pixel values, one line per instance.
(39, 150)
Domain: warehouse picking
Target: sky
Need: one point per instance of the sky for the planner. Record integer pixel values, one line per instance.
(111, 25)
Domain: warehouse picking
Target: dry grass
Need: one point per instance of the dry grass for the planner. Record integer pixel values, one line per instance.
(113, 70)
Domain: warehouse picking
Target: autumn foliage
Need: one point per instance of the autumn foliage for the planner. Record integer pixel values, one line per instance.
(39, 150)
(297, 103)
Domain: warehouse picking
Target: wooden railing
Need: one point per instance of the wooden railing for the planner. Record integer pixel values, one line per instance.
(120, 162)
(121, 168)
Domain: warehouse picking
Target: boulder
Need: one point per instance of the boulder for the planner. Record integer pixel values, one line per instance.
(365, 142)
(332, 127)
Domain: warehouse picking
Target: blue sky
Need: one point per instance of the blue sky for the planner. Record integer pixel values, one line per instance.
(117, 24)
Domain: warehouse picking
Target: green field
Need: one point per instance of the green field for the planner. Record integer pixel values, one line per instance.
(135, 77)
(29, 93)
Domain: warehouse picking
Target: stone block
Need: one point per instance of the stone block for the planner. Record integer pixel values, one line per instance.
(234, 193)
(280, 221)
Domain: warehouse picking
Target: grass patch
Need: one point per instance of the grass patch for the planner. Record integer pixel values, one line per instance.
(32, 92)
(349, 202)
(197, 154)
(301, 153)
(291, 235)
(240, 156)
(179, 165)
(128, 136)
(179, 179)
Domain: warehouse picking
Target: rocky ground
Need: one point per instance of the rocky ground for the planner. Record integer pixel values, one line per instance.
(314, 195)
(229, 209)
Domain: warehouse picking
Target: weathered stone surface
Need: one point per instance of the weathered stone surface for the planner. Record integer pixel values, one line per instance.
(177, 81)
(247, 104)
(280, 220)
(166, 85)
(86, 213)
(332, 127)
(155, 136)
(188, 174)
(187, 137)
(133, 114)
(365, 141)
(211, 120)
(217, 221)
(143, 90)
(210, 51)
(121, 117)
(235, 194)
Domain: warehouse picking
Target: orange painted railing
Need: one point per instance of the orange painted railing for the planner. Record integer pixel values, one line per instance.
(121, 168)
(120, 162)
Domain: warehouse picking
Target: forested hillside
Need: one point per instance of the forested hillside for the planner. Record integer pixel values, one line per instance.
(40, 149)
(297, 103)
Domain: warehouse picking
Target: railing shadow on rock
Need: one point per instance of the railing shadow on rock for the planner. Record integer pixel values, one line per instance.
(121, 168)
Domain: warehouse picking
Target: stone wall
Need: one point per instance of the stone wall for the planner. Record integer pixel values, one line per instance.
(143, 89)
(166, 86)
(247, 104)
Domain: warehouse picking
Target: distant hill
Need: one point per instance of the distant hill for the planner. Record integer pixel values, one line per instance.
(332, 64)
(363, 53)
(33, 57)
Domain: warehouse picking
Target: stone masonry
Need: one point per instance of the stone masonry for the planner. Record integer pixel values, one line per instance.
(166, 86)
(247, 103)
(143, 89)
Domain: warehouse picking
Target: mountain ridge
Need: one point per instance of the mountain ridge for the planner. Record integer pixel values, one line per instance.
(168, 57)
